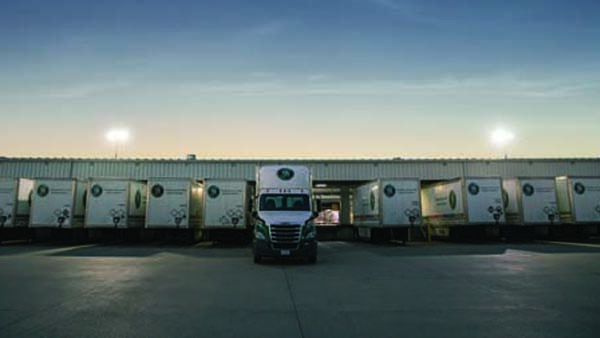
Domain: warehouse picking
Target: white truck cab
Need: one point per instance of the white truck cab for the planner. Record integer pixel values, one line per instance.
(284, 213)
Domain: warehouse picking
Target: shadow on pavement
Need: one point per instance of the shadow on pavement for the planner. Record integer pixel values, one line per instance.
(207, 250)
(202, 250)
(457, 249)
(107, 251)
(21, 248)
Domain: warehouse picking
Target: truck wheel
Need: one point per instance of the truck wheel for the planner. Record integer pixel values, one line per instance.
(257, 259)
(312, 259)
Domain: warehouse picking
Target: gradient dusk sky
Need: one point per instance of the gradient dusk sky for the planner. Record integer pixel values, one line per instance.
(318, 78)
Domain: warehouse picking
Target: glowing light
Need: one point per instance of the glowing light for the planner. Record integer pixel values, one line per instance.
(119, 135)
(502, 137)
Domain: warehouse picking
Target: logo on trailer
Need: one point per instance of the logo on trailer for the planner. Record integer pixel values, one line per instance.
(372, 200)
(214, 191)
(473, 189)
(138, 199)
(285, 174)
(178, 216)
(96, 190)
(157, 190)
(389, 190)
(43, 190)
(61, 216)
(552, 212)
(118, 215)
(452, 199)
(579, 188)
(528, 189)
(412, 214)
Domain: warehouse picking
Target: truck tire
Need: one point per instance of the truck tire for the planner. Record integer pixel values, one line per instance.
(257, 259)
(312, 259)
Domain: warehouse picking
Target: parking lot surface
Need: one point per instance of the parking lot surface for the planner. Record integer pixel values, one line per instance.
(355, 290)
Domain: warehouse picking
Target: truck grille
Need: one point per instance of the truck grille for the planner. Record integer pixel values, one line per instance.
(285, 236)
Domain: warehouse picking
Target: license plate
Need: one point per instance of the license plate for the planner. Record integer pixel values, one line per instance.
(285, 252)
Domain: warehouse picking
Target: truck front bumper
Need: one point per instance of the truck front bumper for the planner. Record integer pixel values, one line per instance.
(263, 249)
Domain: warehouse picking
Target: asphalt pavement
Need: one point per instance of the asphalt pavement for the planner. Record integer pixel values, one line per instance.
(355, 290)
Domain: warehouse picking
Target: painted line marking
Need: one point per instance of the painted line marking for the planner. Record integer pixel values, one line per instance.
(585, 245)
(63, 249)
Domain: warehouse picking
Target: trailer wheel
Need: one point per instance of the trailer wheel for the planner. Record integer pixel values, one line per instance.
(257, 259)
(312, 259)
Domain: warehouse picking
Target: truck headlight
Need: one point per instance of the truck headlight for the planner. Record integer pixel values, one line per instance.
(259, 235)
(310, 231)
(260, 230)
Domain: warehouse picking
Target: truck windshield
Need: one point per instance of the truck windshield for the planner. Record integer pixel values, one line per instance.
(290, 202)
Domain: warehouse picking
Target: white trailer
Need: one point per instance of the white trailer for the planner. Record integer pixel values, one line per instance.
(57, 203)
(15, 200)
(386, 203)
(578, 199)
(226, 204)
(115, 203)
(463, 201)
(174, 203)
(530, 201)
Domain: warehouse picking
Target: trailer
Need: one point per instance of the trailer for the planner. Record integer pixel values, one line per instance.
(578, 199)
(460, 202)
(530, 201)
(15, 202)
(226, 208)
(386, 204)
(174, 203)
(115, 203)
(57, 203)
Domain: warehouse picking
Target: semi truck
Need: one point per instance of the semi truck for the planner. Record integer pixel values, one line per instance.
(578, 199)
(284, 214)
(15, 201)
(386, 204)
(530, 201)
(57, 203)
(174, 203)
(462, 202)
(115, 203)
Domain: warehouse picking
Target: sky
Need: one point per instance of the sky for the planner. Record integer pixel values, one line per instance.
(300, 78)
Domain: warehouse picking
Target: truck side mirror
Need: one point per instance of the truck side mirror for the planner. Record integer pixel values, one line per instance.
(254, 214)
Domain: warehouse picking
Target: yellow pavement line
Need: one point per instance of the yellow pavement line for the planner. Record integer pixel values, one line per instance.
(585, 245)
(63, 249)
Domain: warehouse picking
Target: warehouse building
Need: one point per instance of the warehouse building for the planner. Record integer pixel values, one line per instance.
(334, 178)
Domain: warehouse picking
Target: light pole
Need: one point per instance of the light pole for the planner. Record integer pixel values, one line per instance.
(117, 136)
(501, 138)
